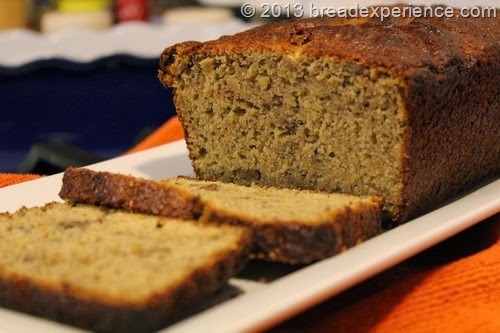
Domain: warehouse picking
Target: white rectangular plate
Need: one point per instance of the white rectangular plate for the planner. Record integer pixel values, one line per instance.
(262, 305)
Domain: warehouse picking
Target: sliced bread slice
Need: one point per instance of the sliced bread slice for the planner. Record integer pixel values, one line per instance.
(290, 226)
(109, 270)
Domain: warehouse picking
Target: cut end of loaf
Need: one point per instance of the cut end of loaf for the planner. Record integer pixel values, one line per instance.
(292, 121)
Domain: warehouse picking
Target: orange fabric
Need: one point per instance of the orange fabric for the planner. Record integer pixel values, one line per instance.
(7, 179)
(428, 293)
(461, 296)
(453, 287)
(168, 132)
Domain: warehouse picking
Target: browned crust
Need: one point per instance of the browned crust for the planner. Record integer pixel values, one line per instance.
(130, 193)
(421, 45)
(448, 69)
(453, 141)
(358, 222)
(67, 305)
(294, 242)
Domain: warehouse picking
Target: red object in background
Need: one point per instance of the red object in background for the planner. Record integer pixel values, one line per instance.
(132, 10)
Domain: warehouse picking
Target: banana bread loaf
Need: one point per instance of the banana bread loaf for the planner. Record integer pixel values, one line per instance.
(108, 270)
(287, 225)
(406, 109)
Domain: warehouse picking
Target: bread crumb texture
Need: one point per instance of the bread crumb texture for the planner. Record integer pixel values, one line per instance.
(288, 225)
(313, 110)
(126, 258)
(262, 205)
(115, 260)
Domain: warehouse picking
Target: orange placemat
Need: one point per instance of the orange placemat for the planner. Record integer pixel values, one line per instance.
(7, 179)
(168, 132)
(452, 287)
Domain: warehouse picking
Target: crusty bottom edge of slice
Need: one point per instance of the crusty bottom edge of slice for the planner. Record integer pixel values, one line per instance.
(298, 243)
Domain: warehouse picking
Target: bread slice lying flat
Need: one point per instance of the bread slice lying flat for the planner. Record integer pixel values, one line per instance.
(108, 270)
(288, 226)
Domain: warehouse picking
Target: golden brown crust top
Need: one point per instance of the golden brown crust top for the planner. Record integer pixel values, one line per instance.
(402, 45)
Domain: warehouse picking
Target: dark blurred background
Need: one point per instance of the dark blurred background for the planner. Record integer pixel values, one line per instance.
(57, 111)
